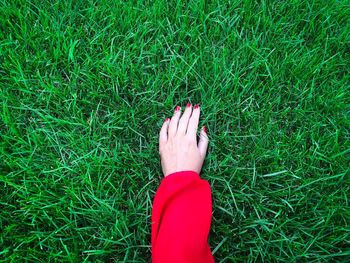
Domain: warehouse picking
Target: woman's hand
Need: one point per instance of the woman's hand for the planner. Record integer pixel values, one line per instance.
(178, 146)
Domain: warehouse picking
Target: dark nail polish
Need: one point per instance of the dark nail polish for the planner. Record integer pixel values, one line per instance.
(166, 119)
(188, 105)
(205, 129)
(196, 106)
(178, 108)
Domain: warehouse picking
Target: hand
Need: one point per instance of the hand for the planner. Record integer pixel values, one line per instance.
(178, 142)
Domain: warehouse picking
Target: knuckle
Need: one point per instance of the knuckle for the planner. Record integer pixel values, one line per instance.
(180, 137)
(188, 142)
(204, 137)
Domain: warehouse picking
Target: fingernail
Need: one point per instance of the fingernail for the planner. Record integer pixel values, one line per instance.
(188, 105)
(205, 129)
(177, 108)
(196, 106)
(166, 119)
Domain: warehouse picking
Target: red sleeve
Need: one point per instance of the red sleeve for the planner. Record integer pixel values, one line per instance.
(181, 219)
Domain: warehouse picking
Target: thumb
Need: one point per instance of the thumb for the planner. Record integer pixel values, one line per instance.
(203, 142)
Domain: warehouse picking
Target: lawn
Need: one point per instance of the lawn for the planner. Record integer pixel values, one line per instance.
(86, 85)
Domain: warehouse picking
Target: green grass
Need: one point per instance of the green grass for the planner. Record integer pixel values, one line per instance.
(86, 85)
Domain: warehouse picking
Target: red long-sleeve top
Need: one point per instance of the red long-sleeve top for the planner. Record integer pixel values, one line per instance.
(181, 219)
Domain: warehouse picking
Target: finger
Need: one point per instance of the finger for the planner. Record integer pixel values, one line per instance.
(203, 142)
(174, 122)
(193, 122)
(183, 123)
(163, 134)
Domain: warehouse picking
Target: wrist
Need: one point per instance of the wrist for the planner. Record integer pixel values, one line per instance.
(183, 173)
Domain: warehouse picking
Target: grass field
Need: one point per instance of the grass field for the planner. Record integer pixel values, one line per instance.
(86, 85)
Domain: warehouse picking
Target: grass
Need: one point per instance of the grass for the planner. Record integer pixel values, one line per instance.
(86, 85)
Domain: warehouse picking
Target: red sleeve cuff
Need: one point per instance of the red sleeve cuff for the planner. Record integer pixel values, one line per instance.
(181, 217)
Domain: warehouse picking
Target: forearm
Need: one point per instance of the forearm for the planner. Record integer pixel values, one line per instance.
(181, 219)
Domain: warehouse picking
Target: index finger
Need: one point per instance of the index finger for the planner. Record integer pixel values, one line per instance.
(193, 123)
